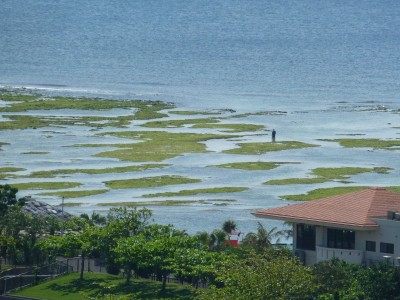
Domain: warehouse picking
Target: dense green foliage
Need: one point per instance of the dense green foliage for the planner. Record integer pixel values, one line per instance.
(127, 240)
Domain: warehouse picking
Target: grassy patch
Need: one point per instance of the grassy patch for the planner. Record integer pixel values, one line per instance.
(328, 174)
(261, 113)
(367, 143)
(10, 169)
(6, 172)
(54, 173)
(327, 192)
(231, 127)
(211, 123)
(165, 203)
(394, 188)
(7, 96)
(72, 204)
(193, 112)
(147, 182)
(34, 122)
(45, 185)
(296, 181)
(53, 103)
(322, 193)
(76, 194)
(345, 172)
(2, 143)
(260, 148)
(217, 190)
(159, 145)
(178, 123)
(69, 287)
(144, 110)
(36, 152)
(251, 166)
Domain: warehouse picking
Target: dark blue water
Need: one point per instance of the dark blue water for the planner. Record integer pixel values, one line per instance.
(205, 53)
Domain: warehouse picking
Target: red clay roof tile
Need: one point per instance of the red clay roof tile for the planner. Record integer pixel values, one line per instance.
(354, 210)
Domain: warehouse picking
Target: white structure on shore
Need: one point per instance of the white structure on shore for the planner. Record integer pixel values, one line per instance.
(361, 227)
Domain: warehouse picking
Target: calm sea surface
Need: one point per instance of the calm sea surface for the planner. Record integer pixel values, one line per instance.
(329, 64)
(205, 53)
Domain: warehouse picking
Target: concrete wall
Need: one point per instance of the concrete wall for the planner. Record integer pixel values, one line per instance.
(388, 232)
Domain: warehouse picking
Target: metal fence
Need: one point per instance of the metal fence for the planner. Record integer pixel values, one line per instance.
(33, 276)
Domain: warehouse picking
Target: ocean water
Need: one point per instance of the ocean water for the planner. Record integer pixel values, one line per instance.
(245, 54)
(329, 64)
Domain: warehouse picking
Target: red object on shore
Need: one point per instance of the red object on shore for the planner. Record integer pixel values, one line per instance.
(234, 243)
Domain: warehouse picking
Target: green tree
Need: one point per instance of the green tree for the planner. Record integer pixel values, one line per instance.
(94, 219)
(8, 197)
(228, 226)
(279, 278)
(263, 238)
(381, 281)
(217, 240)
(336, 278)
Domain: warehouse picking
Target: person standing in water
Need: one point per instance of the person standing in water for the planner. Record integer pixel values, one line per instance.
(273, 135)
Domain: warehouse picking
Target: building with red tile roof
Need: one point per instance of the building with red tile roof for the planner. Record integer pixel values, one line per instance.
(359, 227)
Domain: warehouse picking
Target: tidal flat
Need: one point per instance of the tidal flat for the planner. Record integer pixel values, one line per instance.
(329, 174)
(166, 203)
(215, 190)
(101, 153)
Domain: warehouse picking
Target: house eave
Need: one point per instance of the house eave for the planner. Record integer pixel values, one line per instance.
(349, 226)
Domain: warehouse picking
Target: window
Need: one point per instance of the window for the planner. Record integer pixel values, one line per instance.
(341, 239)
(370, 246)
(305, 237)
(387, 248)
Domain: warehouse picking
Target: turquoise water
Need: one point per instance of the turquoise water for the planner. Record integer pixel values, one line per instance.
(329, 64)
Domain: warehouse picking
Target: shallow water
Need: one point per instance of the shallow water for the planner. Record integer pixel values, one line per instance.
(328, 65)
(308, 126)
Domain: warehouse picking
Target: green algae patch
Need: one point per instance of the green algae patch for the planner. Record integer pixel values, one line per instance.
(346, 172)
(72, 204)
(7, 96)
(54, 173)
(167, 203)
(217, 190)
(367, 143)
(208, 123)
(53, 103)
(231, 127)
(329, 174)
(323, 193)
(11, 169)
(76, 194)
(296, 181)
(159, 145)
(154, 203)
(7, 172)
(261, 113)
(45, 185)
(36, 152)
(394, 188)
(143, 110)
(194, 112)
(23, 122)
(34, 122)
(2, 143)
(178, 123)
(261, 148)
(147, 182)
(328, 192)
(251, 166)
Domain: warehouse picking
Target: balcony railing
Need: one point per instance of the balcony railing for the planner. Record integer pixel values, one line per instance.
(351, 256)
